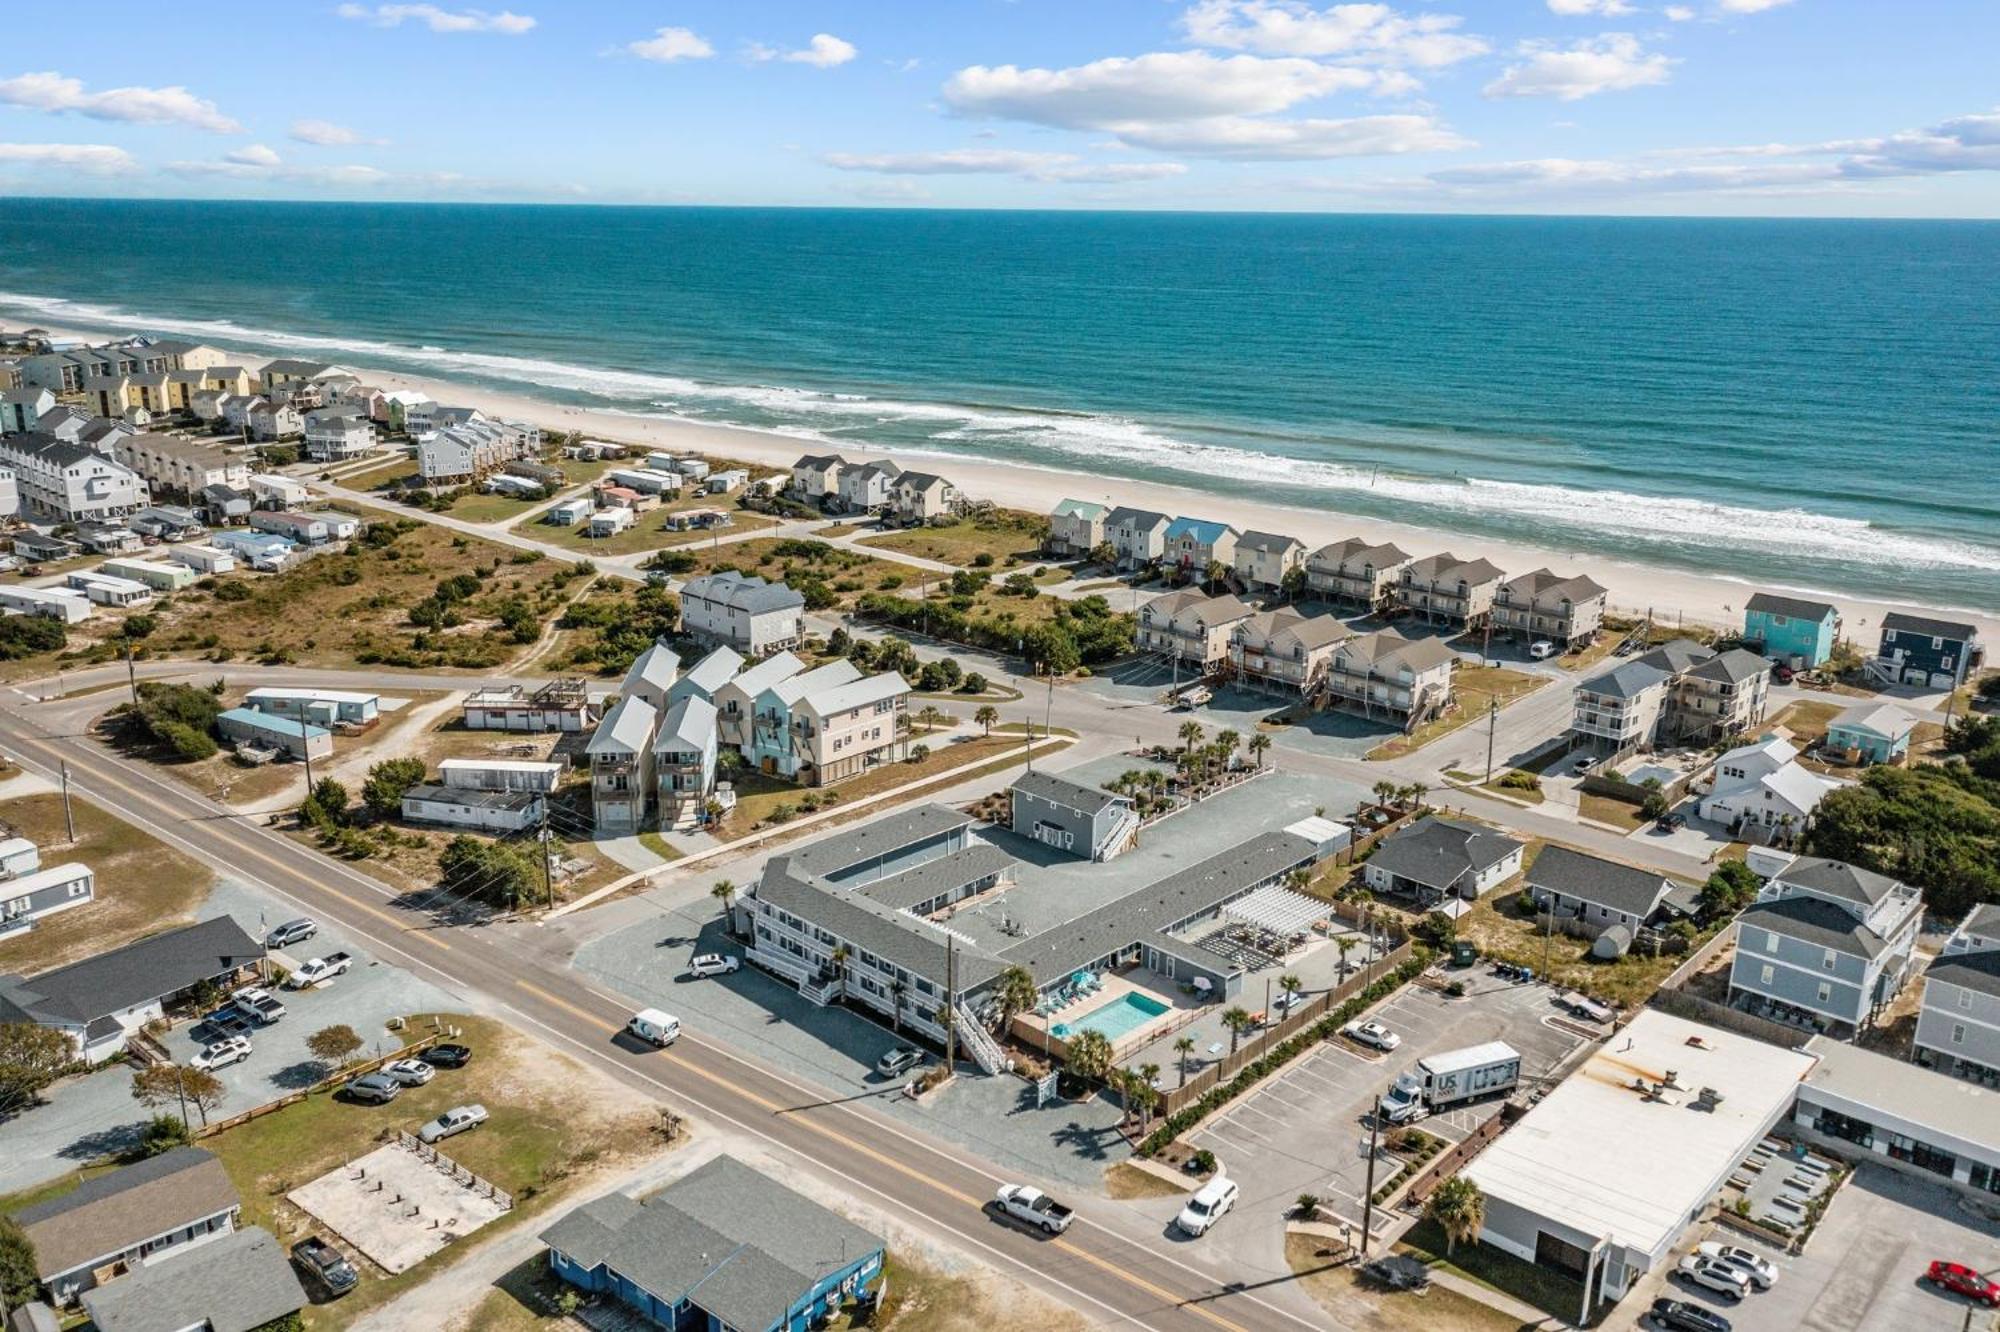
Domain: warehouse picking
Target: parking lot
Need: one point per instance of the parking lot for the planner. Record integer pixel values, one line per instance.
(94, 1115)
(1863, 1268)
(1305, 1130)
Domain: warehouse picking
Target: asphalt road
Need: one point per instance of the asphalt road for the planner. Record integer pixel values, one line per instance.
(1115, 1277)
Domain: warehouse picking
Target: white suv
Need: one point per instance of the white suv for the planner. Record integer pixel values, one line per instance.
(221, 1054)
(1207, 1206)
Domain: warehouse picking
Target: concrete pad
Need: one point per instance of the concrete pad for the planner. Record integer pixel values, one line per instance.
(397, 1207)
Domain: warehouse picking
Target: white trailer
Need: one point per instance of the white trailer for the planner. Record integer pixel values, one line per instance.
(1441, 1081)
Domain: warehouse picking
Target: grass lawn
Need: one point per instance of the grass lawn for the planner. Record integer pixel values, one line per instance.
(1010, 538)
(481, 508)
(1502, 931)
(1807, 720)
(1489, 1267)
(1603, 809)
(660, 846)
(649, 532)
(390, 477)
(847, 573)
(1125, 1180)
(143, 886)
(1477, 689)
(923, 1298)
(1340, 1291)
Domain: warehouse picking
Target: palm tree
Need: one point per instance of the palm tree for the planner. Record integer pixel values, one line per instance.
(1385, 792)
(725, 893)
(1346, 943)
(1238, 1020)
(1298, 880)
(1190, 734)
(1226, 742)
(1258, 744)
(1017, 994)
(1215, 573)
(1458, 1208)
(986, 716)
(1290, 986)
(1089, 1054)
(896, 991)
(839, 957)
(1183, 1047)
(713, 810)
(1418, 791)
(930, 717)
(1144, 1098)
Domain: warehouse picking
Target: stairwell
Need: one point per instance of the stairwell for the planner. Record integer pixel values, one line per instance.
(978, 1042)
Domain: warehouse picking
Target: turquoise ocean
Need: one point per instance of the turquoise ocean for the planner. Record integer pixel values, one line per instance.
(1810, 403)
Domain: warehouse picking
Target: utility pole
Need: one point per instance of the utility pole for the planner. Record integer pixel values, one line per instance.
(548, 875)
(69, 818)
(1049, 711)
(1492, 723)
(1368, 1191)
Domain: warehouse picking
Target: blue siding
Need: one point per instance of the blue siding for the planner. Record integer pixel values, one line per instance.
(1786, 637)
(1921, 652)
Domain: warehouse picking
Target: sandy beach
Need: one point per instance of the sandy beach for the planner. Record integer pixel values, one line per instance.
(1635, 589)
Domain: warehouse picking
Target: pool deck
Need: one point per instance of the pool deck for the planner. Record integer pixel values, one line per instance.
(1036, 1032)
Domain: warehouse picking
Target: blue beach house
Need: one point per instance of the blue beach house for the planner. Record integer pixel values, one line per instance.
(1195, 543)
(1871, 733)
(1927, 653)
(723, 1247)
(778, 733)
(1795, 632)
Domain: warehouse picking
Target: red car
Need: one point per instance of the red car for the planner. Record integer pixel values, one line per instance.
(1962, 1280)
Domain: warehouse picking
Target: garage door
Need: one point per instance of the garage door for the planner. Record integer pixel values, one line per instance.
(1552, 1251)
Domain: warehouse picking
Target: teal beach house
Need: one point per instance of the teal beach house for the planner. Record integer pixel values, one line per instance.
(1797, 633)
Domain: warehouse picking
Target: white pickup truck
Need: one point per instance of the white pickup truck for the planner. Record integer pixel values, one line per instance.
(1028, 1204)
(319, 970)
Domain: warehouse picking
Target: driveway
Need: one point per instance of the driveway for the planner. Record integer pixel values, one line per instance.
(94, 1115)
(1862, 1268)
(1304, 1130)
(1697, 837)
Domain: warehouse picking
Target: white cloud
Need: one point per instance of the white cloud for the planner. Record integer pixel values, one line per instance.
(439, 20)
(229, 168)
(1372, 31)
(1247, 138)
(96, 158)
(1613, 62)
(824, 51)
(1678, 13)
(1052, 168)
(670, 44)
(1138, 90)
(329, 135)
(1579, 8)
(1751, 6)
(50, 91)
(256, 154)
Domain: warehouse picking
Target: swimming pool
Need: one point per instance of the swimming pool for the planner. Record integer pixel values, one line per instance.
(1119, 1018)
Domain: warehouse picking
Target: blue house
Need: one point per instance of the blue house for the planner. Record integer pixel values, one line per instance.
(723, 1247)
(1795, 632)
(1934, 654)
(1870, 733)
(777, 732)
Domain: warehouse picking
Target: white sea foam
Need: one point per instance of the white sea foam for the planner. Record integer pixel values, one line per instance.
(1542, 511)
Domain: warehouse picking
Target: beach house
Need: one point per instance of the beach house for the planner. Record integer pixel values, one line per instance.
(1084, 821)
(1869, 733)
(129, 1220)
(684, 754)
(64, 482)
(621, 767)
(742, 611)
(869, 487)
(1544, 606)
(917, 498)
(1191, 627)
(168, 462)
(1826, 944)
(1445, 589)
(1599, 895)
(775, 730)
(333, 434)
(1760, 792)
(1436, 858)
(651, 676)
(22, 408)
(707, 676)
(1925, 652)
(1357, 573)
(1958, 1026)
(1284, 650)
(735, 698)
(1721, 696)
(270, 421)
(1680, 692)
(1138, 537)
(1791, 630)
(1265, 560)
(1390, 678)
(1076, 527)
(816, 477)
(1197, 546)
(845, 729)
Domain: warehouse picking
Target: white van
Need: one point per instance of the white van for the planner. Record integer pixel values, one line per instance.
(650, 1024)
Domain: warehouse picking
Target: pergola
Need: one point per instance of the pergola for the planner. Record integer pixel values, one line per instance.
(1277, 912)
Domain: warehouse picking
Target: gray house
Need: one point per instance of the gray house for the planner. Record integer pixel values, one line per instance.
(1825, 945)
(1438, 858)
(1958, 1027)
(1600, 894)
(1137, 536)
(238, 1283)
(112, 1223)
(1069, 816)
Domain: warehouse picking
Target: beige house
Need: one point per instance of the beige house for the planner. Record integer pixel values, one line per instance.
(850, 727)
(1387, 676)
(1546, 606)
(172, 463)
(1357, 572)
(1076, 527)
(1285, 650)
(1191, 626)
(1264, 559)
(816, 477)
(916, 498)
(1447, 590)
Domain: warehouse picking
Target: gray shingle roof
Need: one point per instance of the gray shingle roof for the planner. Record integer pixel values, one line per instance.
(849, 847)
(1904, 623)
(734, 1241)
(1796, 607)
(138, 973)
(1836, 878)
(1972, 971)
(1439, 852)
(1815, 922)
(1144, 520)
(744, 592)
(912, 888)
(132, 1204)
(1272, 541)
(1732, 667)
(233, 1284)
(1678, 656)
(1600, 882)
(1056, 790)
(1625, 681)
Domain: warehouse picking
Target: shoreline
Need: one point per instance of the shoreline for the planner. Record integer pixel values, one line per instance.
(1710, 600)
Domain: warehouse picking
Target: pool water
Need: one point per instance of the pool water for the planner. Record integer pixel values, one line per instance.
(1121, 1017)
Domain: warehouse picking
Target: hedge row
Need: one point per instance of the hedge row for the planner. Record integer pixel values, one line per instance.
(1287, 1050)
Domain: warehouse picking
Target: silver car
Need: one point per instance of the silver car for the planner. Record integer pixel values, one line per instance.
(375, 1088)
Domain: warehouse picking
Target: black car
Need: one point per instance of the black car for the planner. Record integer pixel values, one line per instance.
(326, 1265)
(447, 1056)
(1681, 1316)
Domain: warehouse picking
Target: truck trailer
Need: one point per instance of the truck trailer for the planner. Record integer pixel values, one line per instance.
(1441, 1081)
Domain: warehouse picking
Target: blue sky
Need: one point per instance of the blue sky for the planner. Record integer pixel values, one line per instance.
(1763, 107)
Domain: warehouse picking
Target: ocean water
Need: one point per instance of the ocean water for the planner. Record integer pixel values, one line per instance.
(1815, 404)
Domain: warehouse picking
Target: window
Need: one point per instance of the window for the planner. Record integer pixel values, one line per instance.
(1768, 976)
(1770, 941)
(1965, 998)
(1828, 959)
(1825, 992)
(1958, 1033)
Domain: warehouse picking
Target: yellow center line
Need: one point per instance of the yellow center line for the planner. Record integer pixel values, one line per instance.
(903, 1168)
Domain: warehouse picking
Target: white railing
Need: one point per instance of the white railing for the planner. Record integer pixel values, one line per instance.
(985, 1051)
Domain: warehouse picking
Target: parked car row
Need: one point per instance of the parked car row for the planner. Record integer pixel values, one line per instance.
(386, 1083)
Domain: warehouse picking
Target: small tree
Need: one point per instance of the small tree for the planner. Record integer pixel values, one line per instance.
(1731, 887)
(987, 716)
(162, 1133)
(334, 1045)
(30, 1057)
(1346, 943)
(1017, 993)
(724, 892)
(1238, 1020)
(20, 1278)
(1089, 1055)
(164, 1085)
(1290, 985)
(1183, 1047)
(387, 783)
(1458, 1208)
(1655, 805)
(1258, 744)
